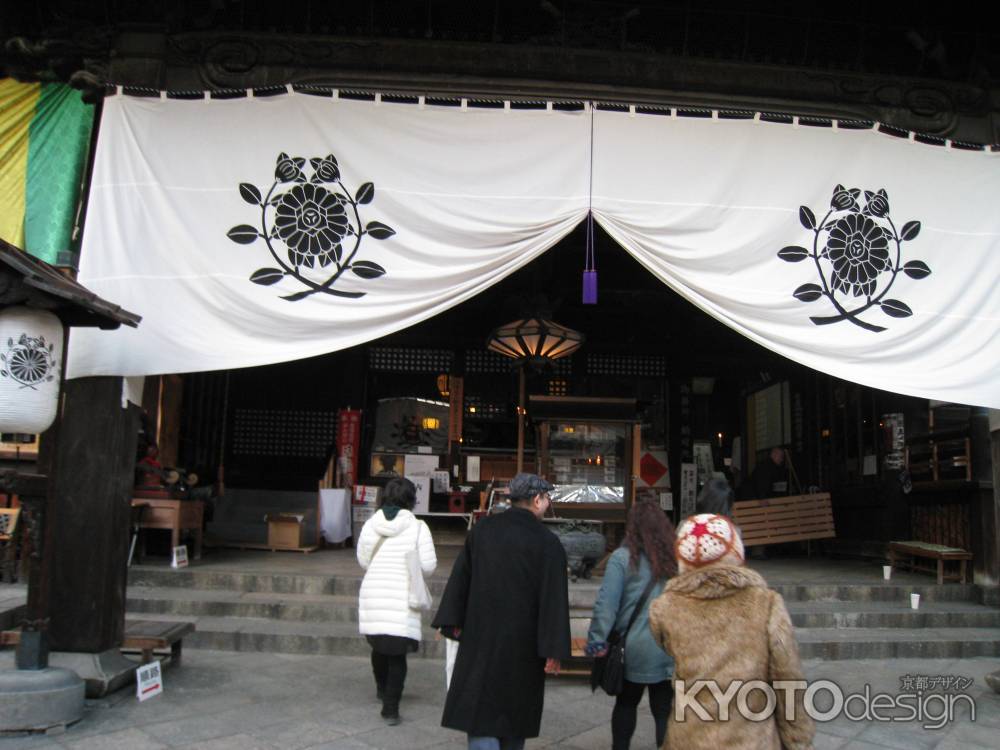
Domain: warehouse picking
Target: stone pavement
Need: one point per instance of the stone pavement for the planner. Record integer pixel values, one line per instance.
(242, 701)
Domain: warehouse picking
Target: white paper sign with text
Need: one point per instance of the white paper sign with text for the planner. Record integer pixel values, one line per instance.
(148, 681)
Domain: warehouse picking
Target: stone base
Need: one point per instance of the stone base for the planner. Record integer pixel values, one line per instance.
(993, 680)
(103, 673)
(39, 700)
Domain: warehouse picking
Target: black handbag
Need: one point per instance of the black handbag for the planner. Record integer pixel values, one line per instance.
(608, 671)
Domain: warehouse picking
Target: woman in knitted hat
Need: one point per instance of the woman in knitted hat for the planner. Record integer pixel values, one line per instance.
(722, 624)
(644, 561)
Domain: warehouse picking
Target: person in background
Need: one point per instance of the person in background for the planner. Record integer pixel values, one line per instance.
(385, 618)
(646, 555)
(507, 604)
(716, 497)
(770, 476)
(720, 622)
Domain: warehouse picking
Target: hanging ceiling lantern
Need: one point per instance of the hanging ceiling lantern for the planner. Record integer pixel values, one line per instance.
(535, 339)
(31, 355)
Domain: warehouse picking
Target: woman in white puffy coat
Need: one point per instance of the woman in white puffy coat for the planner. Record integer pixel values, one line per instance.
(385, 618)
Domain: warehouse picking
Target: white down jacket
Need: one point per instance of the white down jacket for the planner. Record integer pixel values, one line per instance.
(383, 603)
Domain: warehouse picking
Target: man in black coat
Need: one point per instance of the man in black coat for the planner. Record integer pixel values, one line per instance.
(507, 603)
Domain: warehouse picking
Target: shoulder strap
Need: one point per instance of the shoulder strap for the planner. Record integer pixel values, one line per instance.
(378, 546)
(639, 604)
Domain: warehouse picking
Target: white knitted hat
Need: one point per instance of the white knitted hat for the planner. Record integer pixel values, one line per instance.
(707, 539)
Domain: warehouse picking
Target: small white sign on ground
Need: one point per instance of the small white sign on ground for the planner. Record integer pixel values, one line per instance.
(148, 681)
(180, 558)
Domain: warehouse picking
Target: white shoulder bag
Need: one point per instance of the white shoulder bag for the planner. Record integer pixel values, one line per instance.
(419, 594)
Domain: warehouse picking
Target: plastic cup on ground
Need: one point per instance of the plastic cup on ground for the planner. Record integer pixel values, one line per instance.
(914, 601)
(887, 572)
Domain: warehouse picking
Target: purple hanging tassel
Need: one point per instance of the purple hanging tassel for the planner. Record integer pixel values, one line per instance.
(590, 287)
(590, 267)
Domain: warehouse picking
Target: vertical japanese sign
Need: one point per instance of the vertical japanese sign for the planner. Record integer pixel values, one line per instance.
(689, 488)
(456, 403)
(348, 445)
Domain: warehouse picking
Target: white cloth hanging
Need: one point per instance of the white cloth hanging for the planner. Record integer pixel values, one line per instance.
(708, 205)
(871, 258)
(471, 197)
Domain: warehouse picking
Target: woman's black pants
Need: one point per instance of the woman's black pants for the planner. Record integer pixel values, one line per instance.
(661, 697)
(390, 674)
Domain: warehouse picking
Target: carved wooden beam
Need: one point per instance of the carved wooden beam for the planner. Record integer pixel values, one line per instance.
(214, 60)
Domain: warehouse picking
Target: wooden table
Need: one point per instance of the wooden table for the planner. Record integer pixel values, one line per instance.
(174, 516)
(466, 517)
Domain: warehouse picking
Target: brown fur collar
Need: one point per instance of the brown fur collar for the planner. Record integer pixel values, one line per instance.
(715, 581)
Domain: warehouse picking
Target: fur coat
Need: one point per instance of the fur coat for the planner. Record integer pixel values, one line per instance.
(722, 623)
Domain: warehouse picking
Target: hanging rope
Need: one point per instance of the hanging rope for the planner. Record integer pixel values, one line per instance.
(590, 258)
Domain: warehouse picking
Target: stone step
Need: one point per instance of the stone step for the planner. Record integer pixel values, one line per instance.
(881, 592)
(317, 614)
(273, 636)
(343, 608)
(831, 644)
(893, 615)
(582, 594)
(838, 644)
(274, 583)
(217, 603)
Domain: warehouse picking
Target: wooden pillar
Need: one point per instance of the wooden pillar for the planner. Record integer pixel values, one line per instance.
(169, 425)
(520, 419)
(987, 564)
(90, 524)
(161, 400)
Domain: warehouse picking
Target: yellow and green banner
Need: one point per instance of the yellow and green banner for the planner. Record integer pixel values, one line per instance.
(44, 136)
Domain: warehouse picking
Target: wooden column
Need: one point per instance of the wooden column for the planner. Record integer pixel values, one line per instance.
(520, 419)
(169, 431)
(89, 527)
(987, 572)
(161, 399)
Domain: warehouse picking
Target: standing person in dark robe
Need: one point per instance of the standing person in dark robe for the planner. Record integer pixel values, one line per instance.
(770, 476)
(507, 604)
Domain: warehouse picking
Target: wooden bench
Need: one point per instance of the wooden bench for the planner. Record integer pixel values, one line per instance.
(147, 636)
(907, 554)
(785, 519)
(141, 637)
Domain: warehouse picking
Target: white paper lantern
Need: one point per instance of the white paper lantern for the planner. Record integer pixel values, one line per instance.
(31, 356)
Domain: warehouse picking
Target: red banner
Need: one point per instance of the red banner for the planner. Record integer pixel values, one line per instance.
(348, 445)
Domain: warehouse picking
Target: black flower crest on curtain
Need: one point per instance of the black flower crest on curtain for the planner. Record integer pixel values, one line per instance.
(317, 220)
(858, 254)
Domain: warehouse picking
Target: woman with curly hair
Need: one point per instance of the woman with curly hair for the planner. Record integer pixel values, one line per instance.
(640, 566)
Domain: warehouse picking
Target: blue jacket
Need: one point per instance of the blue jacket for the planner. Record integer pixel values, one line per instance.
(645, 661)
